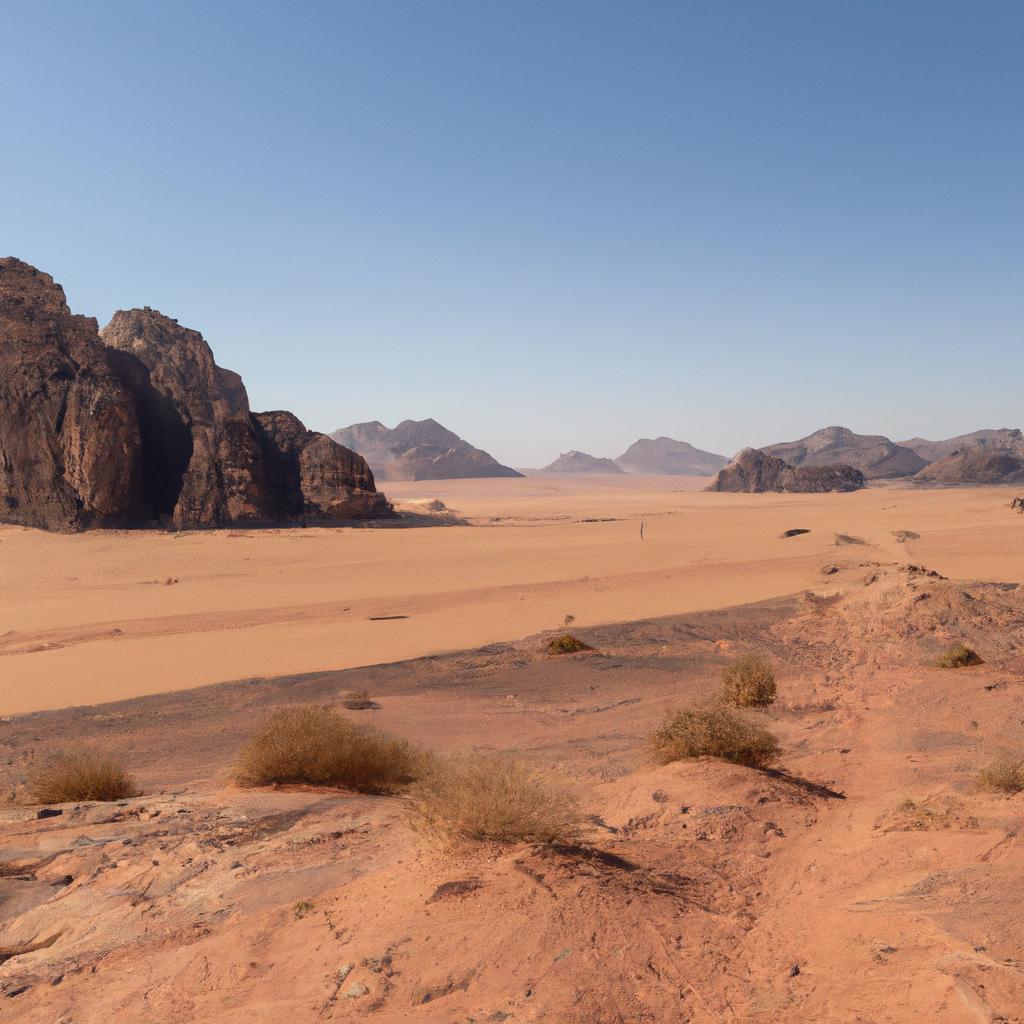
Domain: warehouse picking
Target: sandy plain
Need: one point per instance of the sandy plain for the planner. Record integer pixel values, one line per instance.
(99, 617)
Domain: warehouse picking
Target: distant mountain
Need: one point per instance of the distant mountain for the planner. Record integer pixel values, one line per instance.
(977, 464)
(932, 451)
(581, 462)
(418, 450)
(753, 472)
(876, 457)
(664, 455)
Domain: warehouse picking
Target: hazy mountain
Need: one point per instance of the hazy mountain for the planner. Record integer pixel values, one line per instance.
(418, 450)
(875, 456)
(581, 462)
(932, 451)
(665, 455)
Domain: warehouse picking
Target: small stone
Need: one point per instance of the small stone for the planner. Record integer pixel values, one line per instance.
(344, 971)
(49, 812)
(794, 970)
(356, 990)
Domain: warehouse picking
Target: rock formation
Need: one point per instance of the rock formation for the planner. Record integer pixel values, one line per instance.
(932, 451)
(876, 457)
(139, 424)
(979, 464)
(753, 471)
(581, 462)
(418, 450)
(664, 455)
(70, 447)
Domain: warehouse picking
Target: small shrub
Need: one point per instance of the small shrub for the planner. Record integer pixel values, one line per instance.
(930, 814)
(959, 656)
(317, 745)
(567, 644)
(749, 682)
(492, 799)
(568, 621)
(710, 730)
(301, 909)
(85, 775)
(359, 700)
(1004, 774)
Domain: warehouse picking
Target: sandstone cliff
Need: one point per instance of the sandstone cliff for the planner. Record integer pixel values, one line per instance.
(754, 471)
(875, 456)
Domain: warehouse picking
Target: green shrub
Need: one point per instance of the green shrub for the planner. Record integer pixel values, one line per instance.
(317, 745)
(749, 682)
(710, 730)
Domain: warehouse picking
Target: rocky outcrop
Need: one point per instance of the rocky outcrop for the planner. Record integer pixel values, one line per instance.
(138, 424)
(70, 446)
(753, 471)
(312, 477)
(980, 464)
(875, 456)
(664, 455)
(932, 451)
(418, 450)
(581, 463)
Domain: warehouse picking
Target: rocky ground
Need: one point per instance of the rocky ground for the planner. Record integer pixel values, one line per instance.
(868, 881)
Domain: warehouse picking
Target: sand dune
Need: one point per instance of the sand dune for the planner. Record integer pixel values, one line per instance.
(103, 616)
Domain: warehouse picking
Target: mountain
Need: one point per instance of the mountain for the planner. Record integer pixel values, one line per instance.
(418, 450)
(977, 464)
(753, 471)
(876, 457)
(138, 424)
(932, 451)
(581, 462)
(664, 455)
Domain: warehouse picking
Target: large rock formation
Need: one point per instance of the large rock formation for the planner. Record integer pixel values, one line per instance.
(979, 464)
(664, 455)
(139, 424)
(753, 471)
(932, 451)
(313, 477)
(876, 457)
(581, 462)
(70, 447)
(418, 450)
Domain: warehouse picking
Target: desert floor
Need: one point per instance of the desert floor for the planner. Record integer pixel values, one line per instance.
(104, 616)
(866, 880)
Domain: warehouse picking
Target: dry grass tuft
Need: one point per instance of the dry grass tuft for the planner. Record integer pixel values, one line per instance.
(710, 730)
(359, 700)
(1004, 773)
(316, 745)
(493, 799)
(749, 682)
(959, 656)
(84, 775)
(929, 815)
(567, 644)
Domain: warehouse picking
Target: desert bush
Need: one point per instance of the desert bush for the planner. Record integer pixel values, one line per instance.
(567, 644)
(359, 700)
(317, 745)
(958, 656)
(82, 775)
(1004, 773)
(710, 730)
(749, 682)
(492, 799)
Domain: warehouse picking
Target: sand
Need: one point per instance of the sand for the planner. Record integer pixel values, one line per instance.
(99, 616)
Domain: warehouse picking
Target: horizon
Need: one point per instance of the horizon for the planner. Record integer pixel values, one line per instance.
(548, 229)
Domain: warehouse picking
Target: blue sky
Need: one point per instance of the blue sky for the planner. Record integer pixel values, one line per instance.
(549, 225)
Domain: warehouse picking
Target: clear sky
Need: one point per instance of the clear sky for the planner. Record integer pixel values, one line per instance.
(549, 225)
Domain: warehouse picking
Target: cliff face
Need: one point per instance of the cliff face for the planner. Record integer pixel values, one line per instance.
(755, 471)
(70, 445)
(139, 424)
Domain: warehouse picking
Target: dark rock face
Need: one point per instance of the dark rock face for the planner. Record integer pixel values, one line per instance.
(754, 471)
(581, 462)
(203, 464)
(418, 450)
(140, 424)
(70, 446)
(980, 464)
(875, 456)
(312, 477)
(664, 455)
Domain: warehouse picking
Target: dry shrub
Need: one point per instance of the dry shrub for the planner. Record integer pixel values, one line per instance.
(749, 682)
(83, 775)
(317, 745)
(567, 644)
(710, 730)
(959, 656)
(1004, 773)
(359, 700)
(493, 799)
(930, 814)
